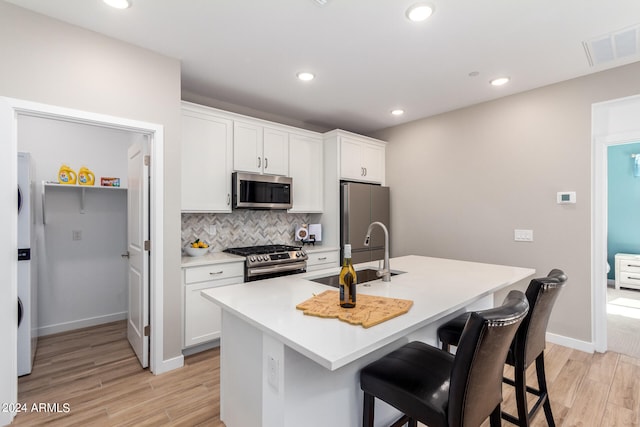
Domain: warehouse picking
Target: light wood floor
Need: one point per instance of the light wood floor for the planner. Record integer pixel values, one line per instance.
(96, 373)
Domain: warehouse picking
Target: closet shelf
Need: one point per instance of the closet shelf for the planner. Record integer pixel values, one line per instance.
(81, 189)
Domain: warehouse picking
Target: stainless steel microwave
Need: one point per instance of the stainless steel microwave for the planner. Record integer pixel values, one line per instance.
(252, 191)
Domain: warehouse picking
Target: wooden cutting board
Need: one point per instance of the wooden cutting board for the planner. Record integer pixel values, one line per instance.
(370, 310)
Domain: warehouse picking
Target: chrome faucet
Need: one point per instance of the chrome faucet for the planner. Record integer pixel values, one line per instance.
(385, 273)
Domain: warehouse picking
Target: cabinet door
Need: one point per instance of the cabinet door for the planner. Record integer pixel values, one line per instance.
(350, 164)
(323, 259)
(373, 162)
(206, 163)
(202, 318)
(275, 152)
(247, 147)
(306, 168)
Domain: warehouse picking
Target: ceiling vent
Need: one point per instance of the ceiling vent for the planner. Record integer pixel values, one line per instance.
(621, 44)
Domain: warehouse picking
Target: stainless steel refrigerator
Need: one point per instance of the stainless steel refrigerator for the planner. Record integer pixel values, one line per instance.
(360, 205)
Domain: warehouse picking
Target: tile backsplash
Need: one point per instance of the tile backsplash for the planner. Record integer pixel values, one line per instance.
(241, 228)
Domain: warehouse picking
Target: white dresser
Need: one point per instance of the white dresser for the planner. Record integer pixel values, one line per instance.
(627, 271)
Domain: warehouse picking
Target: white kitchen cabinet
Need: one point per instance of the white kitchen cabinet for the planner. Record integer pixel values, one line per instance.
(627, 271)
(275, 151)
(259, 149)
(361, 160)
(306, 167)
(207, 146)
(322, 258)
(201, 317)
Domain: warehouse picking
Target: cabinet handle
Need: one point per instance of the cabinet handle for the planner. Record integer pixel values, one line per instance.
(215, 273)
(228, 199)
(632, 265)
(259, 161)
(361, 171)
(322, 258)
(266, 163)
(365, 171)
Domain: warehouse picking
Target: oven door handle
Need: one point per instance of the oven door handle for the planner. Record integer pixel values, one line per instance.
(276, 268)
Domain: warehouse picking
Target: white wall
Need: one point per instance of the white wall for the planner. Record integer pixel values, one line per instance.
(82, 282)
(463, 181)
(51, 62)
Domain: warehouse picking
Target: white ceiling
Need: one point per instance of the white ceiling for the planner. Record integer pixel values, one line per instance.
(368, 58)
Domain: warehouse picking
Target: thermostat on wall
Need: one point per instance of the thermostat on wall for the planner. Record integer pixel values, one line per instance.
(566, 197)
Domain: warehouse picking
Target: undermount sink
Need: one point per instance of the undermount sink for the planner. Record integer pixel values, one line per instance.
(365, 275)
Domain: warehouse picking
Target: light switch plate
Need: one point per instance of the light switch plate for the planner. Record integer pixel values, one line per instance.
(523, 235)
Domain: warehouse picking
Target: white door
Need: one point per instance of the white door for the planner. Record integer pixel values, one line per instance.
(137, 234)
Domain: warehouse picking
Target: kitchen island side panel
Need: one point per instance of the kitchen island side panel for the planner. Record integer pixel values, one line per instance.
(240, 373)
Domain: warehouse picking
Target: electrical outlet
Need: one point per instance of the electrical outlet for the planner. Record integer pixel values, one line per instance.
(212, 230)
(273, 371)
(523, 235)
(76, 234)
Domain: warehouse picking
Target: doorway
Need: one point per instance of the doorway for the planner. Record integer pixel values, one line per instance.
(10, 109)
(81, 231)
(613, 123)
(623, 237)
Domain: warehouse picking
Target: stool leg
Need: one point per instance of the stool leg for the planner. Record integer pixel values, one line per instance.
(367, 410)
(445, 346)
(494, 418)
(520, 377)
(542, 384)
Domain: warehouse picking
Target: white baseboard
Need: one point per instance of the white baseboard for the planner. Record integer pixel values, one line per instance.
(81, 323)
(201, 347)
(585, 346)
(169, 365)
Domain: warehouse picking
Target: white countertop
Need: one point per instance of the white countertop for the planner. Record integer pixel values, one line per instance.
(210, 258)
(436, 286)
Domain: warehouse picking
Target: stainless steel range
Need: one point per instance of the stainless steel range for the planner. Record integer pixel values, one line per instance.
(264, 262)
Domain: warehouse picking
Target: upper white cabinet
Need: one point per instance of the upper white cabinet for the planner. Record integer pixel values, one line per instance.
(260, 149)
(275, 149)
(207, 149)
(361, 159)
(306, 168)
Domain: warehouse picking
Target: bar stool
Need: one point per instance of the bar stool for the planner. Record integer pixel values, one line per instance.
(527, 347)
(438, 389)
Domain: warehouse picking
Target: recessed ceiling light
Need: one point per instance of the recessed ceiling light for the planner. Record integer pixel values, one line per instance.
(305, 76)
(499, 81)
(118, 4)
(397, 112)
(419, 12)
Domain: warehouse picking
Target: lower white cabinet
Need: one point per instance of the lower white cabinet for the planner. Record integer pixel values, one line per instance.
(201, 316)
(319, 259)
(627, 271)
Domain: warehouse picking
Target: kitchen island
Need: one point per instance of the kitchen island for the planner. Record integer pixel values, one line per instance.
(280, 367)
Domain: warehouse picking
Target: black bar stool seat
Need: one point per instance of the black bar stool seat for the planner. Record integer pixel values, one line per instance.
(441, 390)
(527, 347)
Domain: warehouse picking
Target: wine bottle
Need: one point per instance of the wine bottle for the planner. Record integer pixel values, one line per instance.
(348, 280)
